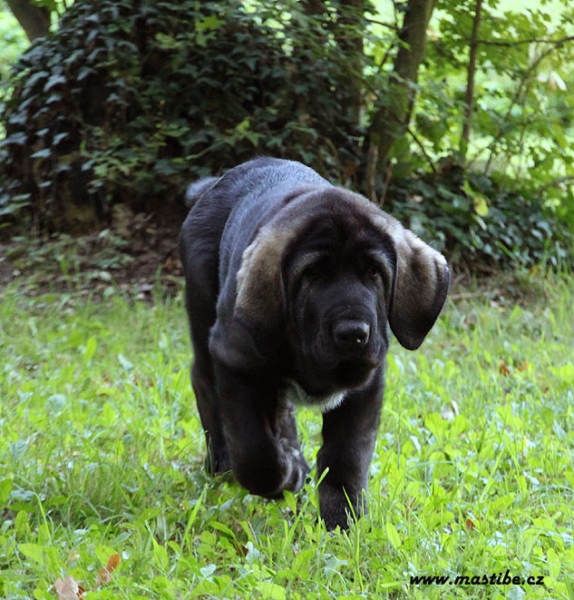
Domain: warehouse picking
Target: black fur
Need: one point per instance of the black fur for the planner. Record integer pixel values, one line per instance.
(290, 286)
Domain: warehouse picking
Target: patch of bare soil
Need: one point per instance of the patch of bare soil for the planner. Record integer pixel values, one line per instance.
(139, 258)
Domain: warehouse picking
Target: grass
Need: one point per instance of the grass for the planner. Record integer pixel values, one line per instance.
(101, 456)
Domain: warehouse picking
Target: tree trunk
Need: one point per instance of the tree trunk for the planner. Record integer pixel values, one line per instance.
(35, 20)
(314, 7)
(391, 120)
(471, 71)
(350, 42)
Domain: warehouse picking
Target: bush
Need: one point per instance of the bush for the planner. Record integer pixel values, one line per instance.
(479, 224)
(129, 100)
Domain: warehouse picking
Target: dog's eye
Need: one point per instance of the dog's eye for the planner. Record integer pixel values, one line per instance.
(317, 269)
(372, 270)
(313, 270)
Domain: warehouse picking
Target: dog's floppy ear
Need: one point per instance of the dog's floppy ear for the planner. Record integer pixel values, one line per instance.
(260, 301)
(420, 287)
(246, 338)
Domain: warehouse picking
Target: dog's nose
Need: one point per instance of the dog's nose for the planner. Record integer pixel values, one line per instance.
(351, 334)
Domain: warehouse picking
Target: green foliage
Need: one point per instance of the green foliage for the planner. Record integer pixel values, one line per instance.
(130, 100)
(506, 198)
(68, 263)
(13, 42)
(521, 126)
(480, 224)
(101, 452)
(521, 104)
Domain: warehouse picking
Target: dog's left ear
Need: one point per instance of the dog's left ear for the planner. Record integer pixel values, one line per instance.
(420, 287)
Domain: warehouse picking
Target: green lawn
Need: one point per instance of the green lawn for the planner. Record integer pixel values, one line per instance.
(101, 454)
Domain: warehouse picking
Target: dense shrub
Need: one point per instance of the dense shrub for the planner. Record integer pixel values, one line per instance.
(480, 224)
(131, 99)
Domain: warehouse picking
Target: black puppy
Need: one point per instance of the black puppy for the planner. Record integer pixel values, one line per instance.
(291, 284)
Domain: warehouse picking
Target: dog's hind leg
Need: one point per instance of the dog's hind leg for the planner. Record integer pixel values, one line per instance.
(200, 308)
(217, 460)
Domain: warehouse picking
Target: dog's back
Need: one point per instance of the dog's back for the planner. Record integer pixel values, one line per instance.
(249, 191)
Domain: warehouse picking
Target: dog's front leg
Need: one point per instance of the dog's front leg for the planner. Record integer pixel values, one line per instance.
(349, 435)
(260, 434)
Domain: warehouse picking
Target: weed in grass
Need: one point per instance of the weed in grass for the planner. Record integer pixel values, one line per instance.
(101, 456)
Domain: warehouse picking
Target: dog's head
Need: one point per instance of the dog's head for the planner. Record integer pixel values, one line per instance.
(337, 277)
(327, 274)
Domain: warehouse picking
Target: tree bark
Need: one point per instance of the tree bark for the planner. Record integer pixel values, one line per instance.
(314, 7)
(471, 71)
(346, 32)
(351, 45)
(391, 120)
(35, 20)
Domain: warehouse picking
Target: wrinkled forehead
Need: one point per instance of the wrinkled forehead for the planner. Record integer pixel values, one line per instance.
(343, 229)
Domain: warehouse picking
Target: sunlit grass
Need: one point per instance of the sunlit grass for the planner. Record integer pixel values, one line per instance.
(101, 452)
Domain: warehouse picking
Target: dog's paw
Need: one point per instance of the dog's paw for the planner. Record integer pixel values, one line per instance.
(338, 509)
(299, 469)
(217, 462)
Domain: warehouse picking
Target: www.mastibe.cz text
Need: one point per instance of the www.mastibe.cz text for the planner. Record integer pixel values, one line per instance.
(492, 579)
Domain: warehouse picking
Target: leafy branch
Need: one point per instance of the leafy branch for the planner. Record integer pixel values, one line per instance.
(524, 83)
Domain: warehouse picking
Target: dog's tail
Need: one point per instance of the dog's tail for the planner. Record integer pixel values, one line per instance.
(196, 190)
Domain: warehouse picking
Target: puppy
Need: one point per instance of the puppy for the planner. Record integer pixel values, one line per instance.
(291, 287)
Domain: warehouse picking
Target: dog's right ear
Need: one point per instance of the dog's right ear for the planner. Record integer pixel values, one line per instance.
(260, 288)
(248, 336)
